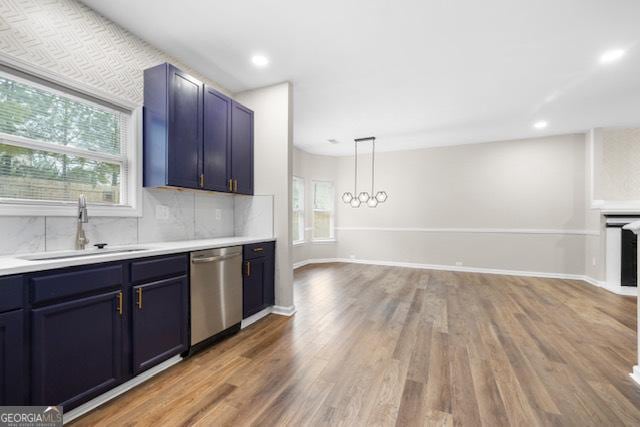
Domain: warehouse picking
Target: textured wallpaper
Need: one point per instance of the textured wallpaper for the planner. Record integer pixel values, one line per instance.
(72, 41)
(69, 39)
(620, 176)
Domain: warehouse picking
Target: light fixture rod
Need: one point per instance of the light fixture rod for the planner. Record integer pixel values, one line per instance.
(373, 163)
(355, 179)
(369, 138)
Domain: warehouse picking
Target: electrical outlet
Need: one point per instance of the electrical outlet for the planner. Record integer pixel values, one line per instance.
(162, 212)
(459, 263)
(218, 214)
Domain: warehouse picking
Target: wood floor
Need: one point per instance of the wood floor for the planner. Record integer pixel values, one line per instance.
(374, 345)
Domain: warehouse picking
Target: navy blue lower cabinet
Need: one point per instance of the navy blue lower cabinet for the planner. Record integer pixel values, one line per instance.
(258, 277)
(12, 375)
(160, 316)
(76, 349)
(253, 286)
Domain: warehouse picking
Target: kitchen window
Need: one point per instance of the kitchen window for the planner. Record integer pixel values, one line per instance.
(323, 211)
(56, 145)
(298, 210)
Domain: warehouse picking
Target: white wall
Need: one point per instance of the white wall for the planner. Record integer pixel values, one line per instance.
(273, 152)
(514, 205)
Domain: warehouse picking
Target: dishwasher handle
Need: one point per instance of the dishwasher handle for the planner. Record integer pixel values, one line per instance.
(213, 258)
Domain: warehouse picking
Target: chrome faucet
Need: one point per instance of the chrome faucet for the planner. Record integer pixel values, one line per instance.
(83, 218)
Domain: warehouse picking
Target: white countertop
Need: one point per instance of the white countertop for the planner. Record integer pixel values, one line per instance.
(634, 226)
(14, 264)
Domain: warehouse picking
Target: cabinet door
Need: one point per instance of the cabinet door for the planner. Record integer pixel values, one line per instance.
(185, 130)
(160, 317)
(242, 148)
(76, 350)
(217, 140)
(12, 375)
(253, 287)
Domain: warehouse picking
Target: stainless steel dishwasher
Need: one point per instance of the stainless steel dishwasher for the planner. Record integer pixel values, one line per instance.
(216, 294)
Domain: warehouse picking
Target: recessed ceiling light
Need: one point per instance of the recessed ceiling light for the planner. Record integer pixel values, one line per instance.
(260, 60)
(540, 124)
(612, 56)
(333, 141)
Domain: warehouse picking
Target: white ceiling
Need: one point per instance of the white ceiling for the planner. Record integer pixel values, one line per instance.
(414, 73)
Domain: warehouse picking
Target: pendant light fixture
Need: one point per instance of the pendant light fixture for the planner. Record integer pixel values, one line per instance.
(363, 198)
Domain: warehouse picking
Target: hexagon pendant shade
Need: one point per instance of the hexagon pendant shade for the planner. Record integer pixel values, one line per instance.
(363, 198)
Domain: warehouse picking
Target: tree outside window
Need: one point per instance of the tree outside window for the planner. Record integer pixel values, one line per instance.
(323, 210)
(56, 146)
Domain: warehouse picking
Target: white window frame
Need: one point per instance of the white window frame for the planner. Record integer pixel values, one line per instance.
(131, 185)
(332, 226)
(300, 212)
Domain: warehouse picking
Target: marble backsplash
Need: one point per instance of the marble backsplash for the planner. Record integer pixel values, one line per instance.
(188, 215)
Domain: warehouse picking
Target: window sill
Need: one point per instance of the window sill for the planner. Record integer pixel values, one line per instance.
(324, 241)
(66, 209)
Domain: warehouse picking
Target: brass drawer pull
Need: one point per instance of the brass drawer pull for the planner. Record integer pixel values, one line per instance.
(235, 185)
(230, 184)
(248, 268)
(119, 307)
(139, 292)
(258, 249)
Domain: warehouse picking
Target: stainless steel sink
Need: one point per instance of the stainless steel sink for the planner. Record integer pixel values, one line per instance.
(78, 254)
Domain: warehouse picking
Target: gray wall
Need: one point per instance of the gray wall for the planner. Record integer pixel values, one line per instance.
(513, 205)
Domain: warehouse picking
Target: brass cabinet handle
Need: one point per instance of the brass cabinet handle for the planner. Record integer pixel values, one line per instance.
(139, 292)
(119, 308)
(248, 268)
(201, 180)
(235, 185)
(258, 249)
(230, 184)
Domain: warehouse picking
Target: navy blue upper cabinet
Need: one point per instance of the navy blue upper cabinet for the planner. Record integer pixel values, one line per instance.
(160, 316)
(217, 141)
(12, 356)
(194, 136)
(242, 148)
(173, 103)
(76, 349)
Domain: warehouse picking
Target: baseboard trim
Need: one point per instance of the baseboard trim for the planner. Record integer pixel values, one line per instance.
(284, 311)
(619, 290)
(616, 289)
(635, 374)
(122, 388)
(254, 318)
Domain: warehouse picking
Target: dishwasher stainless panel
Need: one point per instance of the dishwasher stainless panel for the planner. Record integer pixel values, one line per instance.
(216, 291)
